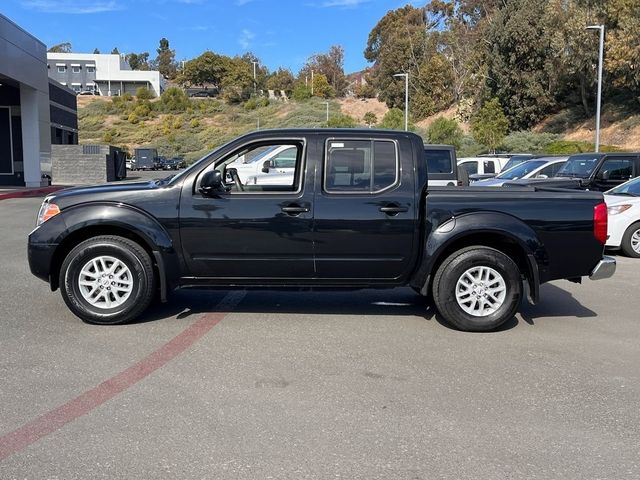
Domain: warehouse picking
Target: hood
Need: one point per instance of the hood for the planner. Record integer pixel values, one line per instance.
(612, 200)
(108, 192)
(489, 182)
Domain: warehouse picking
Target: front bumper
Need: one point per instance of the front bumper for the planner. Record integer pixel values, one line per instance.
(605, 269)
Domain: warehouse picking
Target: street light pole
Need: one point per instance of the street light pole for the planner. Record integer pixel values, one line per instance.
(255, 83)
(327, 104)
(312, 83)
(406, 98)
(600, 60)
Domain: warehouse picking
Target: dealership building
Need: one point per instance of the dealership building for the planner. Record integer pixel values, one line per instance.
(103, 74)
(34, 110)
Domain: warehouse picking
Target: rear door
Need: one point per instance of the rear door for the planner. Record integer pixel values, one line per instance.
(613, 171)
(364, 210)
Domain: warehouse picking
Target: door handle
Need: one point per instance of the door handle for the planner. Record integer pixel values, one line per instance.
(393, 209)
(294, 210)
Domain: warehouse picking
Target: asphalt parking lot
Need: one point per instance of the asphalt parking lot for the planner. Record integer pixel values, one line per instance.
(264, 384)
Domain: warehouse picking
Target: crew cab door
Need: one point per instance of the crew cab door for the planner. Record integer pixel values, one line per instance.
(614, 171)
(364, 212)
(255, 231)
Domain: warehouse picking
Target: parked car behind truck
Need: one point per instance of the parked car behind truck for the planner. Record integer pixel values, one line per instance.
(590, 171)
(356, 213)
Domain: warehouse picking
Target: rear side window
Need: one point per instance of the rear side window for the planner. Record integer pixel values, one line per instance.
(360, 166)
(618, 168)
(439, 161)
(470, 167)
(489, 166)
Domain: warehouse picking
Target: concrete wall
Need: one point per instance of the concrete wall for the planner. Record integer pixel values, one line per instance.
(82, 164)
(23, 66)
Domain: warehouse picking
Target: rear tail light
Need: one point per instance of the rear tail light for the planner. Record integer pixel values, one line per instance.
(600, 222)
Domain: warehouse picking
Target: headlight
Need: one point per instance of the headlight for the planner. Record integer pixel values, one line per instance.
(616, 209)
(47, 210)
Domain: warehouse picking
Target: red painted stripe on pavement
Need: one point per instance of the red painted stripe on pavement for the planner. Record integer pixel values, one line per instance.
(29, 192)
(48, 423)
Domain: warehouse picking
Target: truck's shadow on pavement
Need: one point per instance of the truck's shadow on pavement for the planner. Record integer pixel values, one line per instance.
(184, 304)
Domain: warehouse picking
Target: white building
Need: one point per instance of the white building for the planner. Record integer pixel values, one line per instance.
(105, 74)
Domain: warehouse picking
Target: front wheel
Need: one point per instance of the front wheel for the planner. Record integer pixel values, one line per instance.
(631, 241)
(107, 280)
(477, 289)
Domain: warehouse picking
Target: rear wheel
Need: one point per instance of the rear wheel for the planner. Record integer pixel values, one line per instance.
(107, 280)
(631, 241)
(477, 289)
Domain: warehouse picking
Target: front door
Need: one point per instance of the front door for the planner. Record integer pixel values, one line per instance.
(255, 231)
(364, 212)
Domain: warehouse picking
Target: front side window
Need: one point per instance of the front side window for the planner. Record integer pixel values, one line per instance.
(263, 167)
(360, 166)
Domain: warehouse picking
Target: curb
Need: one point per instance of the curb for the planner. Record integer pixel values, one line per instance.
(29, 192)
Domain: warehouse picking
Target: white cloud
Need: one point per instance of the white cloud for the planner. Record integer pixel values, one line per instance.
(343, 3)
(72, 7)
(246, 38)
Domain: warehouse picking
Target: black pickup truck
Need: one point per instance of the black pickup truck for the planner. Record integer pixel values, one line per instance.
(354, 213)
(589, 171)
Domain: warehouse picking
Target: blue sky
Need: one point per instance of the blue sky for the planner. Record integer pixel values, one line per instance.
(280, 32)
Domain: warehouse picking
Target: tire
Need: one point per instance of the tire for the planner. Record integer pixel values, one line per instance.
(494, 308)
(631, 236)
(115, 299)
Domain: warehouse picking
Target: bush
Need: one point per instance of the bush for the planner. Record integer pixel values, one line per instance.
(445, 131)
(143, 110)
(173, 100)
(301, 92)
(143, 93)
(370, 119)
(393, 119)
(528, 142)
(567, 147)
(251, 104)
(133, 118)
(195, 123)
(341, 120)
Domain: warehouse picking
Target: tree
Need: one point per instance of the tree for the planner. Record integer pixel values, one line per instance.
(518, 68)
(445, 131)
(138, 61)
(61, 48)
(623, 45)
(96, 51)
(281, 79)
(393, 119)
(207, 69)
(490, 126)
(115, 51)
(331, 65)
(321, 87)
(165, 62)
(370, 119)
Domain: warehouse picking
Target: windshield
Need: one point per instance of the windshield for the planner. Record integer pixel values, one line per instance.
(519, 171)
(516, 160)
(629, 188)
(578, 166)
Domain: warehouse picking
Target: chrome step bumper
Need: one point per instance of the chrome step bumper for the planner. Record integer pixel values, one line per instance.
(605, 269)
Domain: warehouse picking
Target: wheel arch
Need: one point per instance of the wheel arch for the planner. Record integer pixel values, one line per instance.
(95, 220)
(494, 230)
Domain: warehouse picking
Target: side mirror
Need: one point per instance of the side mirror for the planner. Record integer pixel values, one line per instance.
(604, 175)
(266, 166)
(212, 184)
